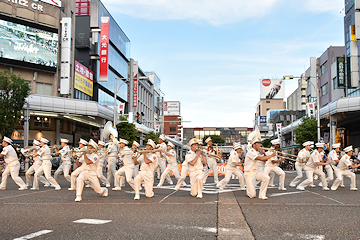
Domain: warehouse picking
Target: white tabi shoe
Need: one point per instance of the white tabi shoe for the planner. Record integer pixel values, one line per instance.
(184, 184)
(353, 189)
(108, 185)
(116, 189)
(300, 188)
(34, 188)
(199, 195)
(325, 189)
(282, 189)
(342, 185)
(71, 189)
(22, 188)
(47, 185)
(87, 186)
(58, 188)
(312, 185)
(263, 197)
(78, 199)
(105, 193)
(137, 197)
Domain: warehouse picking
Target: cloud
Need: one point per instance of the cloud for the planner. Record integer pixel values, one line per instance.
(213, 11)
(323, 6)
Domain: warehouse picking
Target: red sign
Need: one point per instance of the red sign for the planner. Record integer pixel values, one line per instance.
(135, 74)
(104, 47)
(266, 82)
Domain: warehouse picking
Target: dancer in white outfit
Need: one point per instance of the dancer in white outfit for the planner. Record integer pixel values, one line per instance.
(146, 174)
(251, 168)
(79, 160)
(12, 165)
(112, 152)
(195, 159)
(343, 170)
(232, 168)
(272, 164)
(172, 166)
(334, 159)
(301, 161)
(136, 155)
(312, 166)
(211, 161)
(35, 166)
(162, 158)
(88, 173)
(128, 169)
(45, 168)
(100, 164)
(65, 159)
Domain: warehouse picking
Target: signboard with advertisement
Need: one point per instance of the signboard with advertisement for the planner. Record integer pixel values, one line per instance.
(52, 2)
(27, 44)
(272, 89)
(340, 61)
(135, 73)
(104, 48)
(83, 79)
(172, 108)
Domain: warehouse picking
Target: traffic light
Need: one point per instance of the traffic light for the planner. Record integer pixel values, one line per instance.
(138, 117)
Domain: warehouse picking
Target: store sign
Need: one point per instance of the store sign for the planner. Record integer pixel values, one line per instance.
(278, 129)
(340, 61)
(310, 109)
(352, 33)
(65, 55)
(83, 79)
(262, 119)
(30, 4)
(135, 73)
(104, 48)
(172, 108)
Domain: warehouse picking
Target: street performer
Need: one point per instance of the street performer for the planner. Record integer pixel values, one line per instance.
(112, 152)
(313, 166)
(195, 159)
(343, 170)
(35, 166)
(301, 160)
(251, 168)
(100, 163)
(12, 165)
(172, 166)
(334, 159)
(232, 168)
(146, 174)
(211, 161)
(88, 173)
(162, 158)
(79, 160)
(65, 159)
(272, 164)
(45, 168)
(128, 169)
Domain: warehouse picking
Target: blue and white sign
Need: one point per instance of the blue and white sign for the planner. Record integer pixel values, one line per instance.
(262, 119)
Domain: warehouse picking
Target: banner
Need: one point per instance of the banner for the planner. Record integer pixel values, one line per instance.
(340, 61)
(83, 79)
(272, 89)
(121, 108)
(104, 48)
(135, 72)
(220, 169)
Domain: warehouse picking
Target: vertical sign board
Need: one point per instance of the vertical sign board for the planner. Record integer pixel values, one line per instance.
(104, 48)
(310, 109)
(121, 108)
(135, 70)
(83, 79)
(278, 130)
(340, 61)
(65, 55)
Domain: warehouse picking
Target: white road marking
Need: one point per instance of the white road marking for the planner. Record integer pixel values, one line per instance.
(32, 235)
(92, 221)
(304, 236)
(281, 194)
(25, 194)
(167, 196)
(326, 197)
(205, 229)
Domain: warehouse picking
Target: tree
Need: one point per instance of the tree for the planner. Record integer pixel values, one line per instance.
(266, 143)
(13, 92)
(306, 131)
(127, 130)
(215, 139)
(153, 136)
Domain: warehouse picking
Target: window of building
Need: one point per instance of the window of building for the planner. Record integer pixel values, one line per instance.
(335, 83)
(324, 89)
(267, 101)
(172, 129)
(42, 122)
(43, 89)
(324, 68)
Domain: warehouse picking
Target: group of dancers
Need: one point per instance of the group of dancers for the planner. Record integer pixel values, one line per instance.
(258, 166)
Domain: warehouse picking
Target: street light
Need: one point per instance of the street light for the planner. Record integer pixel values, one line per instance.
(116, 90)
(289, 77)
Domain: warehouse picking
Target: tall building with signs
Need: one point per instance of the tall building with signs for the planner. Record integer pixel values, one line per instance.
(37, 42)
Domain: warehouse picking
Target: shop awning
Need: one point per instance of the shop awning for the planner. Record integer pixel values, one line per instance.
(341, 105)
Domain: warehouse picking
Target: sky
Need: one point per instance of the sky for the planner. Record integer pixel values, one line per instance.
(210, 55)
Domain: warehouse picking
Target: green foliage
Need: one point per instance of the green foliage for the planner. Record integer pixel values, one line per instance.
(266, 143)
(127, 130)
(306, 131)
(13, 92)
(152, 136)
(215, 139)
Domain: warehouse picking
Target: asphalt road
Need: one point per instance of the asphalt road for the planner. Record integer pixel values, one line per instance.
(228, 214)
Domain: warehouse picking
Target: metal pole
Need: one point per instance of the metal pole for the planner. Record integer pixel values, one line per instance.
(318, 109)
(115, 102)
(26, 126)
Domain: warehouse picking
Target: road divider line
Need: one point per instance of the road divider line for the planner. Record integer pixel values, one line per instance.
(35, 234)
(92, 221)
(25, 194)
(326, 197)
